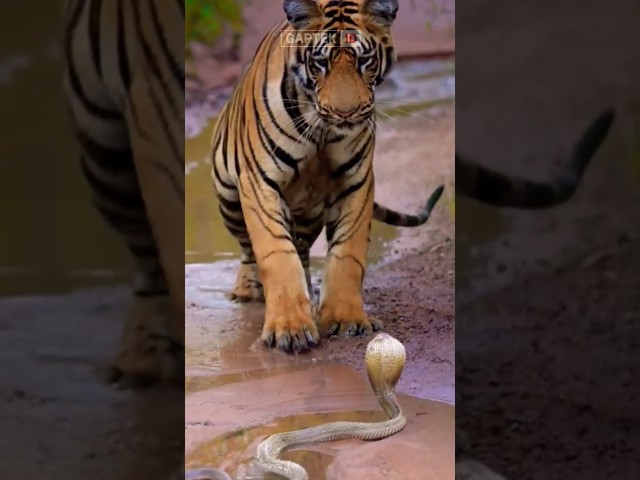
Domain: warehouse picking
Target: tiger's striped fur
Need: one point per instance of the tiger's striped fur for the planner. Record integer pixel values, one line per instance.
(292, 153)
(488, 186)
(124, 80)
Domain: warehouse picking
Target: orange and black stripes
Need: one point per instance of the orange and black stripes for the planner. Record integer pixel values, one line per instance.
(106, 43)
(491, 187)
(277, 103)
(292, 153)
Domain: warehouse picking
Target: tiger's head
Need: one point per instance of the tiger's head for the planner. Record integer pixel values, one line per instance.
(347, 50)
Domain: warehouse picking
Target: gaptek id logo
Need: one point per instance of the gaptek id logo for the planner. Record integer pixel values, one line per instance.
(332, 38)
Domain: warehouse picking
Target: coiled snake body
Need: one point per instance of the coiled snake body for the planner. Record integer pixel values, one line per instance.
(384, 359)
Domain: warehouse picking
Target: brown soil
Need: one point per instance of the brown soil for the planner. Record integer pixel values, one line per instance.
(530, 391)
(414, 297)
(60, 420)
(412, 289)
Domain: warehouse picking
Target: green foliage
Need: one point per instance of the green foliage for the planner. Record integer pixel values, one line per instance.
(451, 202)
(206, 20)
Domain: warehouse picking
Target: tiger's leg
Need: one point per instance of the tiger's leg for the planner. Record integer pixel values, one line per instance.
(349, 214)
(303, 249)
(248, 286)
(307, 229)
(147, 353)
(288, 316)
(158, 154)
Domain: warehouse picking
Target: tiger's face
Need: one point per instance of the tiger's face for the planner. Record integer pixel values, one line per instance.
(339, 71)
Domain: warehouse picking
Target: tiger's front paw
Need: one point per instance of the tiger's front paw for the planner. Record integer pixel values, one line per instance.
(346, 317)
(289, 324)
(148, 353)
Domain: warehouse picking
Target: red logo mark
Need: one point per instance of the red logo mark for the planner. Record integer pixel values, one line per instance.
(350, 37)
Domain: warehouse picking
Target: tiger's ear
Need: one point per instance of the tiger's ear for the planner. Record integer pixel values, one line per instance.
(382, 12)
(301, 13)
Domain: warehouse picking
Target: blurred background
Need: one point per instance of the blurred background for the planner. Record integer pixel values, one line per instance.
(220, 36)
(547, 301)
(51, 239)
(63, 286)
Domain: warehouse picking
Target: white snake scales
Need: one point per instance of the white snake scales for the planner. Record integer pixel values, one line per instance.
(384, 359)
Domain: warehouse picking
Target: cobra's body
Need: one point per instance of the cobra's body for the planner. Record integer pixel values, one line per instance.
(384, 359)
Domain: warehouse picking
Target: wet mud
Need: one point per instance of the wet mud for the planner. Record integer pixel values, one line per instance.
(224, 425)
(61, 419)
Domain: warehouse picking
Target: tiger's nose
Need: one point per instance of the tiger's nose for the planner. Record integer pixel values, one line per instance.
(345, 113)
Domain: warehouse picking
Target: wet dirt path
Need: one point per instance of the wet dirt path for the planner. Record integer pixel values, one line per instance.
(238, 392)
(62, 420)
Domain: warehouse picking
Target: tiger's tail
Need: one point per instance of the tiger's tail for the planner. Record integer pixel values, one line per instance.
(391, 217)
(488, 186)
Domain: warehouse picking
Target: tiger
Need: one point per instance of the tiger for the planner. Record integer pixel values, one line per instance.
(494, 188)
(124, 86)
(292, 154)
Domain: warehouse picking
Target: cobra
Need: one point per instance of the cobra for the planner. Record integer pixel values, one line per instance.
(384, 359)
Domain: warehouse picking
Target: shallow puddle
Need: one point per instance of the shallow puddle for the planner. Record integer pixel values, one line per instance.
(233, 449)
(226, 422)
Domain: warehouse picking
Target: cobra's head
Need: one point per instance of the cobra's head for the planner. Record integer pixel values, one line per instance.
(346, 52)
(384, 358)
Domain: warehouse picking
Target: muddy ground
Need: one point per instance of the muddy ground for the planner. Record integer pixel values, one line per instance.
(412, 287)
(61, 420)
